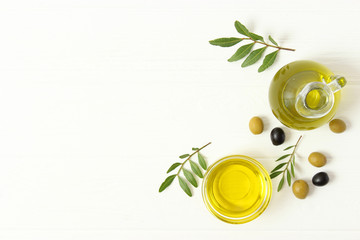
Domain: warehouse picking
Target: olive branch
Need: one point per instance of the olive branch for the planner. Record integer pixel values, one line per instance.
(244, 50)
(188, 175)
(291, 162)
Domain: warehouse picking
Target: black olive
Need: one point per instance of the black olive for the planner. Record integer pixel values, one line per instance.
(320, 179)
(277, 136)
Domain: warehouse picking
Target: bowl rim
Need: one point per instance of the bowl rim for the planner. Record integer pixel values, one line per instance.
(254, 214)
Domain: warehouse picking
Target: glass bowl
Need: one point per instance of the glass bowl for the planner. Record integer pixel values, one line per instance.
(236, 189)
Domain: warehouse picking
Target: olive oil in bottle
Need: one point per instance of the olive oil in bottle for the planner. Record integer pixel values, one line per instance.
(305, 95)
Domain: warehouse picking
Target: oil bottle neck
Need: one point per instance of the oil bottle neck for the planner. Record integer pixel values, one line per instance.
(316, 99)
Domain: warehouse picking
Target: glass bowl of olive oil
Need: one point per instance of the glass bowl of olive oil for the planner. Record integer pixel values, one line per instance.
(236, 189)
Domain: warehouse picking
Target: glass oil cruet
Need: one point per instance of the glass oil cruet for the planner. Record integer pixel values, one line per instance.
(304, 95)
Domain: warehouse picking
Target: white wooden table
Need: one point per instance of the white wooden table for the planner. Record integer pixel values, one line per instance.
(99, 98)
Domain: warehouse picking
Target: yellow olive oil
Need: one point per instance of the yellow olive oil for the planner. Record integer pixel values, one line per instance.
(237, 189)
(287, 84)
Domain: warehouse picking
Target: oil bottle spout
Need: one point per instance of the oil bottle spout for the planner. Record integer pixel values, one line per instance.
(337, 83)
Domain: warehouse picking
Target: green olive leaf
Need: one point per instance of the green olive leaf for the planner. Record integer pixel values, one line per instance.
(225, 42)
(172, 167)
(273, 41)
(184, 186)
(256, 37)
(195, 149)
(275, 174)
(167, 182)
(241, 29)
(293, 160)
(241, 52)
(268, 61)
(281, 183)
(289, 147)
(188, 175)
(184, 156)
(196, 169)
(292, 169)
(282, 157)
(278, 167)
(202, 161)
(253, 57)
(288, 177)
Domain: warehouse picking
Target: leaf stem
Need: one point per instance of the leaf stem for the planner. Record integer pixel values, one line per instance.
(182, 165)
(269, 45)
(291, 156)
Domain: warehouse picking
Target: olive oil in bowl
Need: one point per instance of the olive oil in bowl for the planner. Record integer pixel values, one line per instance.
(236, 189)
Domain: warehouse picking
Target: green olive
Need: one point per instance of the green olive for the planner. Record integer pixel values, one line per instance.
(337, 126)
(317, 159)
(300, 189)
(256, 125)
